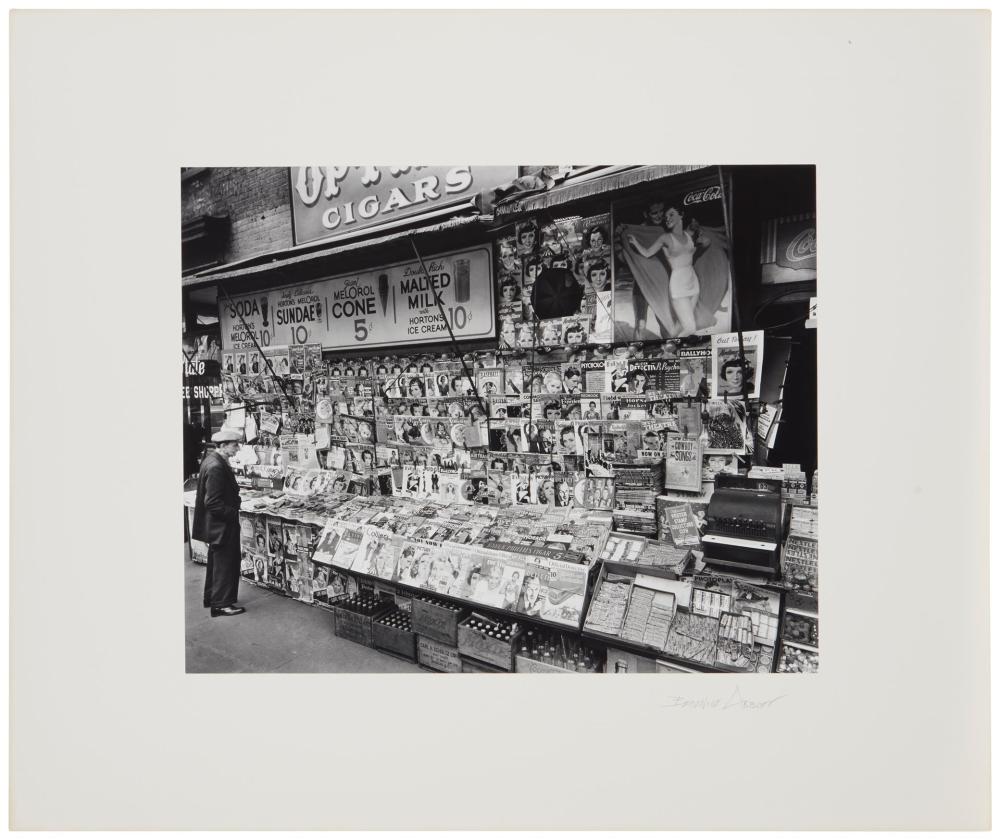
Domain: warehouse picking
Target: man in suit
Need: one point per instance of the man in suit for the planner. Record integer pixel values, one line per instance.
(216, 522)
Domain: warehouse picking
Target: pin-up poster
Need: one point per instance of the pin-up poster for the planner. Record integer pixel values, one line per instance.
(404, 304)
(672, 264)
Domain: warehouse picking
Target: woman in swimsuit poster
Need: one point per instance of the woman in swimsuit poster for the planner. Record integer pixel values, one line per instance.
(672, 258)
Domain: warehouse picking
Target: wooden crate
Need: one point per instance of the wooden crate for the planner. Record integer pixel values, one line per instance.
(353, 626)
(392, 640)
(625, 662)
(438, 657)
(436, 622)
(526, 665)
(473, 666)
(485, 649)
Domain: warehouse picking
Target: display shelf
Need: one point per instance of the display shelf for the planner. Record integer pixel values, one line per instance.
(698, 616)
(510, 615)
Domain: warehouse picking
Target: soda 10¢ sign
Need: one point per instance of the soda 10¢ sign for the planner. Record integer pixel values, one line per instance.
(390, 306)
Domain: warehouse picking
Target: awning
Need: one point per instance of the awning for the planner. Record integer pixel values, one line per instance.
(513, 207)
(296, 256)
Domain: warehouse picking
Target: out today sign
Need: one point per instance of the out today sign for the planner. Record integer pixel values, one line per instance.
(386, 307)
(334, 201)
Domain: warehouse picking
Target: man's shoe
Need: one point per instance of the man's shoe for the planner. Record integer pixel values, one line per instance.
(218, 611)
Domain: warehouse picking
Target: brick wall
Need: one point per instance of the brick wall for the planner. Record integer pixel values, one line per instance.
(255, 199)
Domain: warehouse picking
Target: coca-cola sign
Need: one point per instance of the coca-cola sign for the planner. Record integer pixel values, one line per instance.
(713, 193)
(802, 247)
(788, 249)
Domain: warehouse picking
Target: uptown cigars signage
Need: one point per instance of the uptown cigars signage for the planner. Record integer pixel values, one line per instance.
(334, 201)
(390, 306)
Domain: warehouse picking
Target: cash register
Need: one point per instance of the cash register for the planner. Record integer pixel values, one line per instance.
(744, 523)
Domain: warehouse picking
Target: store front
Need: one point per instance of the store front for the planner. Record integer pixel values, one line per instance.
(529, 421)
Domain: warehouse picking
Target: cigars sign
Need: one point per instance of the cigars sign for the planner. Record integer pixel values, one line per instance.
(329, 202)
(386, 307)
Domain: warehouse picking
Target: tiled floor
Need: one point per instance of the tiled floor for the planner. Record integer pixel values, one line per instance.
(275, 634)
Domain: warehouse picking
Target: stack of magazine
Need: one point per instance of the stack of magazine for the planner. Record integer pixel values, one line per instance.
(636, 489)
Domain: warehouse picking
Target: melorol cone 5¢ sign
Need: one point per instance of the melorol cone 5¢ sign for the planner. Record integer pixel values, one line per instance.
(390, 306)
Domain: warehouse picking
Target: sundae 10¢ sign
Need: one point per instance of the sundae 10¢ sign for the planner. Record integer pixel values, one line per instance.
(393, 305)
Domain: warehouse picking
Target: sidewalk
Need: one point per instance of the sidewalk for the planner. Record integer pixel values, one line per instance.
(275, 635)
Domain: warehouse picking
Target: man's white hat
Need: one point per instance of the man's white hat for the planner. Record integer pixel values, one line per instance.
(225, 435)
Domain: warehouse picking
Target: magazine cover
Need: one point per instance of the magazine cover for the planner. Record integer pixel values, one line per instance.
(595, 493)
(499, 579)
(415, 563)
(695, 365)
(507, 252)
(503, 407)
(326, 547)
(672, 264)
(445, 573)
(621, 440)
(490, 382)
(594, 379)
(713, 463)
(509, 317)
(550, 332)
(680, 523)
(660, 375)
(555, 407)
(290, 541)
(260, 535)
(510, 289)
(725, 427)
(295, 582)
(405, 563)
(633, 408)
(276, 573)
(526, 234)
(346, 553)
(683, 470)
(523, 489)
(729, 374)
(247, 531)
(275, 540)
(247, 564)
(540, 435)
(553, 590)
(566, 439)
(653, 445)
(374, 552)
(297, 359)
(590, 406)
(595, 239)
(576, 330)
(616, 375)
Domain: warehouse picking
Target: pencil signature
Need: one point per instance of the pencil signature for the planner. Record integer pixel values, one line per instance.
(734, 702)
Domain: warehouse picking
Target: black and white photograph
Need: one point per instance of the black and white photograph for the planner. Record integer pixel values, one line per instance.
(436, 312)
(461, 442)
